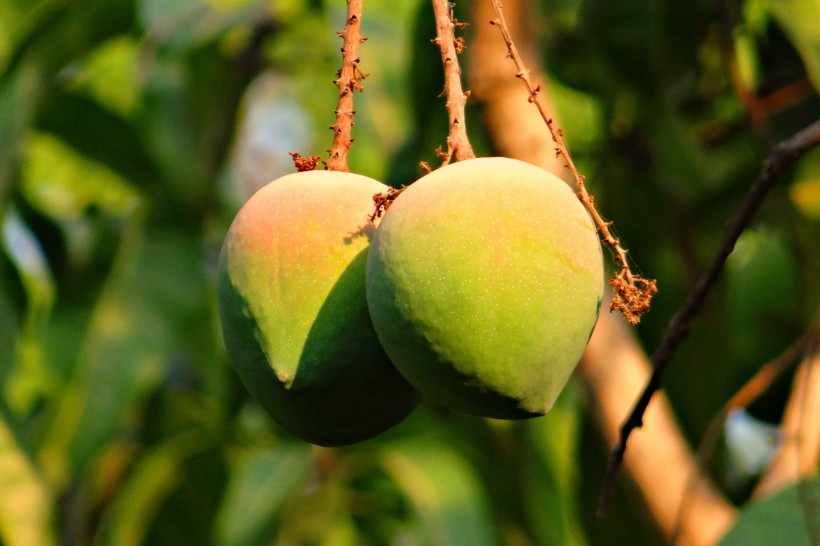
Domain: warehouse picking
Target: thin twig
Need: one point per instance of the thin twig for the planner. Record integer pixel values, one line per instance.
(348, 80)
(458, 145)
(632, 292)
(783, 156)
(748, 393)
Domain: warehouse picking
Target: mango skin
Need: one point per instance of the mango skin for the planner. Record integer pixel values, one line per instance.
(484, 283)
(291, 290)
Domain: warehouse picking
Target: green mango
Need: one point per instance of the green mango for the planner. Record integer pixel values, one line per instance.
(484, 283)
(293, 311)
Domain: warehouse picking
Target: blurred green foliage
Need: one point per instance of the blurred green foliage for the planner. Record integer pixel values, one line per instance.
(131, 131)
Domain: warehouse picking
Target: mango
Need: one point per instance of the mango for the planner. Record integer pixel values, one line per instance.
(293, 310)
(484, 283)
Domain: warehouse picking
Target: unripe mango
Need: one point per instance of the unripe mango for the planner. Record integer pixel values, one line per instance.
(294, 314)
(484, 282)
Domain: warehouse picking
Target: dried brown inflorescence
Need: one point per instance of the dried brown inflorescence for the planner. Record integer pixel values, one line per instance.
(382, 201)
(632, 294)
(304, 163)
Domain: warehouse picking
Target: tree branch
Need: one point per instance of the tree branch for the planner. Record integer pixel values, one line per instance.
(348, 81)
(458, 145)
(660, 462)
(783, 156)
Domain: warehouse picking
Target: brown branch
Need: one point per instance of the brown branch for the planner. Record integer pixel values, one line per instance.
(458, 145)
(783, 156)
(660, 463)
(348, 80)
(633, 293)
(748, 393)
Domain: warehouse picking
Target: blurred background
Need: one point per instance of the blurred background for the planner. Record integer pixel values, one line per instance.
(132, 130)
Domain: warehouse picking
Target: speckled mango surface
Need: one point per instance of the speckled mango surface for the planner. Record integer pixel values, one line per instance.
(484, 282)
(293, 310)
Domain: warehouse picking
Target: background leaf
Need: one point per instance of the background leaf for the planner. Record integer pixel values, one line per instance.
(779, 519)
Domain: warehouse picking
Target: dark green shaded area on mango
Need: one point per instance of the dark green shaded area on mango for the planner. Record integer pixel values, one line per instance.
(345, 389)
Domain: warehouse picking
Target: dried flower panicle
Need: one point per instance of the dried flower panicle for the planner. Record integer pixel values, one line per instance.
(382, 201)
(305, 163)
(632, 295)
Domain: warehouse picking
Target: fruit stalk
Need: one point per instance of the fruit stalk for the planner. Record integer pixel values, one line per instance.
(632, 292)
(348, 80)
(458, 145)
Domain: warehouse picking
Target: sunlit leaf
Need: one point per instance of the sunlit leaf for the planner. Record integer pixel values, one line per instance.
(110, 74)
(100, 134)
(762, 289)
(448, 499)
(54, 33)
(30, 378)
(805, 190)
(157, 474)
(64, 184)
(19, 97)
(260, 483)
(26, 511)
(126, 354)
(799, 19)
(788, 517)
(552, 493)
(179, 24)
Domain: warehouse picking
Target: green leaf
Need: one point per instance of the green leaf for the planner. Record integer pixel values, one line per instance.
(25, 502)
(788, 517)
(447, 497)
(763, 291)
(64, 184)
(805, 190)
(261, 481)
(56, 32)
(31, 376)
(124, 357)
(99, 134)
(156, 475)
(552, 491)
(20, 94)
(799, 18)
